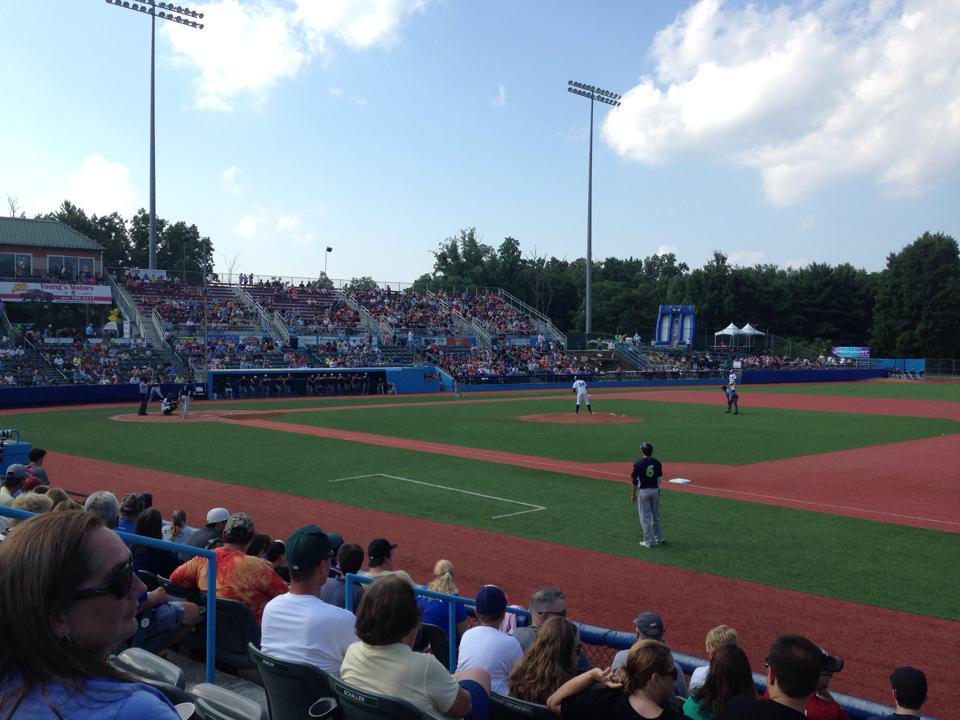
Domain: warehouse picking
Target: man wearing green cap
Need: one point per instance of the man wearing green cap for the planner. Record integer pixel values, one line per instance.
(298, 626)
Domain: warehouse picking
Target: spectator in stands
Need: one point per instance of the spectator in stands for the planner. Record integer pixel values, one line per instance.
(435, 611)
(12, 483)
(298, 625)
(821, 705)
(259, 545)
(909, 693)
(213, 531)
(793, 668)
(546, 602)
(155, 560)
(239, 576)
(717, 637)
(649, 626)
(729, 676)
(484, 646)
(276, 557)
(643, 688)
(35, 468)
(68, 596)
(30, 502)
(384, 662)
(548, 664)
(380, 558)
(104, 505)
(350, 560)
(130, 508)
(177, 530)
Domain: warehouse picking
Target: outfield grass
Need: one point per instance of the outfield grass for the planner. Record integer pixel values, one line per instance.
(857, 560)
(898, 390)
(681, 432)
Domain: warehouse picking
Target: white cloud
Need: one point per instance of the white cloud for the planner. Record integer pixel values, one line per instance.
(806, 95)
(229, 178)
(101, 187)
(249, 224)
(248, 47)
(292, 227)
(667, 249)
(796, 263)
(500, 100)
(745, 258)
(336, 92)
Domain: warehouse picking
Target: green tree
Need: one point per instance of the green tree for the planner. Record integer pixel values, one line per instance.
(916, 312)
(361, 284)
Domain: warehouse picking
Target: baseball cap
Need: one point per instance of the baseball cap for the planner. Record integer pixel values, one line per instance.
(379, 549)
(16, 470)
(217, 515)
(910, 687)
(649, 625)
(831, 664)
(336, 540)
(306, 547)
(30, 483)
(491, 601)
(238, 527)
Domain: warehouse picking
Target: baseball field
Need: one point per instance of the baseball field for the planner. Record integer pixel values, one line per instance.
(829, 510)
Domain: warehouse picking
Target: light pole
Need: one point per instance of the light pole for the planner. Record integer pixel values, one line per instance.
(182, 16)
(325, 256)
(610, 98)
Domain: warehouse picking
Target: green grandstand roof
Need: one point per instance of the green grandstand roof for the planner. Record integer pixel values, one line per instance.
(43, 234)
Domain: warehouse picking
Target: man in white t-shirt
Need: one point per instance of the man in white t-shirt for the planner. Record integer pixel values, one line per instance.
(485, 646)
(298, 626)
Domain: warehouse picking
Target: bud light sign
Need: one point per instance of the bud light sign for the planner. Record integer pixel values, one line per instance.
(851, 352)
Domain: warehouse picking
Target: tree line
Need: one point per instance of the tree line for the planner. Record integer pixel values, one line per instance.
(908, 309)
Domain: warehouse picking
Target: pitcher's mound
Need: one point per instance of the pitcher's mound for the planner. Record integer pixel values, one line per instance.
(569, 418)
(198, 415)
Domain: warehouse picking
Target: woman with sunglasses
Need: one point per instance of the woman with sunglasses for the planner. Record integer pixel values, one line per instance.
(68, 596)
(642, 689)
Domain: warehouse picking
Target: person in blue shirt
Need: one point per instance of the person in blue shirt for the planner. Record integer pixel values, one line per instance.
(68, 596)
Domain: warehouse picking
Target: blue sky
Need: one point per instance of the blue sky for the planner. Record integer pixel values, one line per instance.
(777, 133)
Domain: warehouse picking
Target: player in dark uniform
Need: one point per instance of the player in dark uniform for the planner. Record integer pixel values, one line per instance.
(732, 398)
(645, 492)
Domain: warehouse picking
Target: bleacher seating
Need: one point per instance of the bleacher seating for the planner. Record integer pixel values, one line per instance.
(294, 690)
(306, 309)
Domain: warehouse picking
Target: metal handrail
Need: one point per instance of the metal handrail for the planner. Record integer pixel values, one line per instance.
(210, 555)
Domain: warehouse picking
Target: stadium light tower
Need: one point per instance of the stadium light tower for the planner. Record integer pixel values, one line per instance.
(593, 93)
(182, 16)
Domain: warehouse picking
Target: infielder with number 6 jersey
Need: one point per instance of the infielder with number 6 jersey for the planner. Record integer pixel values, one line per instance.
(580, 388)
(645, 492)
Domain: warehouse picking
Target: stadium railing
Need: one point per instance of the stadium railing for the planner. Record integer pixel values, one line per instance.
(602, 643)
(210, 555)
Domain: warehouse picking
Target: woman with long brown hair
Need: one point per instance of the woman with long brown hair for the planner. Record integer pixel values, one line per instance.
(68, 596)
(548, 663)
(729, 676)
(642, 689)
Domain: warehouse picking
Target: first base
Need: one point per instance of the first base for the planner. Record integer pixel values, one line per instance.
(679, 481)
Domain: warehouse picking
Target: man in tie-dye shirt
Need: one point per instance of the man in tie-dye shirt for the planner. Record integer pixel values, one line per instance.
(240, 577)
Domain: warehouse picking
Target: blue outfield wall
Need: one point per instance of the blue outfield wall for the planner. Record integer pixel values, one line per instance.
(912, 364)
(75, 394)
(801, 376)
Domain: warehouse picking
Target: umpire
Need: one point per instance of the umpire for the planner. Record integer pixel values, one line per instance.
(645, 491)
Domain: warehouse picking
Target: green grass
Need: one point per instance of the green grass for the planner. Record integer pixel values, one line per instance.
(680, 432)
(856, 560)
(900, 390)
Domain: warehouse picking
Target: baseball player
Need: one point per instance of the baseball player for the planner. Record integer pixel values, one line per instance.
(732, 380)
(580, 388)
(732, 398)
(186, 393)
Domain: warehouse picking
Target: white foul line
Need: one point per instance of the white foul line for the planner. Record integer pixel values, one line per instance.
(533, 508)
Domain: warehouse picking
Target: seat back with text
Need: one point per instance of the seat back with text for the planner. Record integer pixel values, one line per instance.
(294, 690)
(356, 704)
(508, 708)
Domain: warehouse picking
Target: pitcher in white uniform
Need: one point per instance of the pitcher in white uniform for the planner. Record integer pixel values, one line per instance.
(580, 388)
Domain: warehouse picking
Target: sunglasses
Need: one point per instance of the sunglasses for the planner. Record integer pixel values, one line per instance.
(118, 584)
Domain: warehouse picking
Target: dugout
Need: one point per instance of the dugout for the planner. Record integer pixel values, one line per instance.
(320, 382)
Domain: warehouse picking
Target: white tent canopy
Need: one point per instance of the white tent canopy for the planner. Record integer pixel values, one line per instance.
(749, 329)
(730, 329)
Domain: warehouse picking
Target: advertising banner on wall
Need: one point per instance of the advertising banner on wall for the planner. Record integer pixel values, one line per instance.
(851, 352)
(55, 292)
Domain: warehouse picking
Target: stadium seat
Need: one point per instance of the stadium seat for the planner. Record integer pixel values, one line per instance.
(217, 703)
(148, 667)
(435, 638)
(236, 628)
(149, 579)
(508, 708)
(294, 690)
(177, 591)
(358, 704)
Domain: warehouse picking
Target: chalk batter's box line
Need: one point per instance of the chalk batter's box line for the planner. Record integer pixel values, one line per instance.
(532, 507)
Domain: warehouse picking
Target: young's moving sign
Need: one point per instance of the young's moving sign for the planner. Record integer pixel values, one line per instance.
(55, 292)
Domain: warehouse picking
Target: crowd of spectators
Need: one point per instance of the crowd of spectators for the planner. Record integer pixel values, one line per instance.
(488, 308)
(89, 600)
(506, 360)
(184, 306)
(407, 309)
